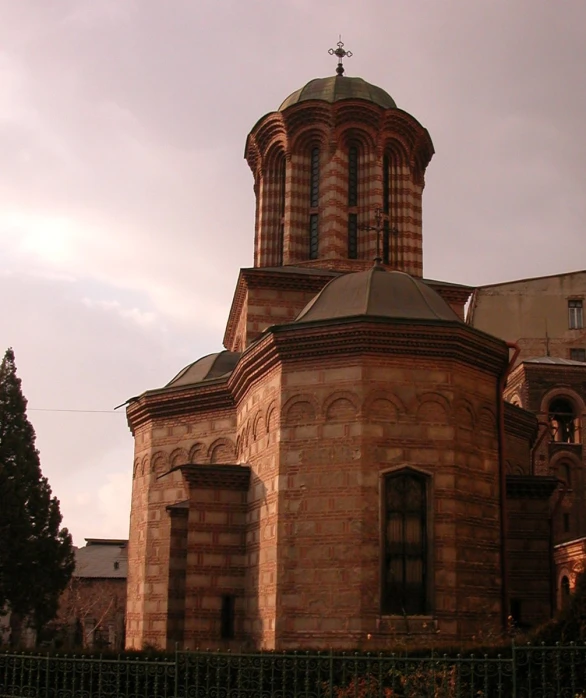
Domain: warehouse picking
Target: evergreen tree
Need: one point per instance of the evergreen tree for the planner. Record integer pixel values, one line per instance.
(36, 554)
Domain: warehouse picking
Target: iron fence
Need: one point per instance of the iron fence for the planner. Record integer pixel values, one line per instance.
(518, 672)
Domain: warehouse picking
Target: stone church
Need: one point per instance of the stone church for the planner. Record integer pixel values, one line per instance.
(347, 471)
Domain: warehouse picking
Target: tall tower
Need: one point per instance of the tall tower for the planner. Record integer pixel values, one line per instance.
(335, 151)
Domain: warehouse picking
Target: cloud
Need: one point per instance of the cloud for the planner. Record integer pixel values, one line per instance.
(140, 317)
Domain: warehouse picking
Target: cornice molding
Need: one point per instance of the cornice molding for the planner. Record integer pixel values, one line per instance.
(530, 486)
(224, 477)
(355, 336)
(175, 402)
(297, 278)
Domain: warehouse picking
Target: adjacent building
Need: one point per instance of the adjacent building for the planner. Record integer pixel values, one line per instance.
(545, 317)
(93, 605)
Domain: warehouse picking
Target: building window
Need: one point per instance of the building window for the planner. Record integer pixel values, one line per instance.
(578, 354)
(386, 251)
(353, 176)
(313, 236)
(352, 202)
(281, 181)
(575, 315)
(227, 618)
(404, 587)
(313, 205)
(563, 422)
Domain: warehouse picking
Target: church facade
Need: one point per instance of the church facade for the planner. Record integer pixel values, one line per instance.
(347, 471)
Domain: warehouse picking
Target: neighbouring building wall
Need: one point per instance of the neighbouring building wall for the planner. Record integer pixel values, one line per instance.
(570, 561)
(545, 388)
(93, 610)
(535, 313)
(529, 549)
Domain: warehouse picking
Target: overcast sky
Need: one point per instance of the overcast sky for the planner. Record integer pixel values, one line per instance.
(126, 207)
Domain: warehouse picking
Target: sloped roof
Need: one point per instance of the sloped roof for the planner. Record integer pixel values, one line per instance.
(553, 361)
(102, 558)
(208, 367)
(377, 293)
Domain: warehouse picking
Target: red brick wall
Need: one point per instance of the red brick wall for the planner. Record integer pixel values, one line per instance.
(205, 437)
(343, 425)
(215, 565)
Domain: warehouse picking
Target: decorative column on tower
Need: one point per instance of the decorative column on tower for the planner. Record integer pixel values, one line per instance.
(333, 153)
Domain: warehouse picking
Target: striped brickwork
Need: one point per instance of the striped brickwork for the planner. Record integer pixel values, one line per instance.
(283, 237)
(161, 445)
(258, 446)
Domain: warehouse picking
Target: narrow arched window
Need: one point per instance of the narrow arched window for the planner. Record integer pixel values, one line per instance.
(313, 204)
(563, 421)
(404, 583)
(353, 202)
(386, 251)
(281, 181)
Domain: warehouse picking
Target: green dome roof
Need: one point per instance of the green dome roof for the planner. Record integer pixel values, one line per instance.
(393, 295)
(338, 87)
(210, 367)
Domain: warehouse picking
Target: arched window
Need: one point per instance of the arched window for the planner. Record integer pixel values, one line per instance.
(353, 202)
(563, 421)
(386, 209)
(281, 180)
(404, 583)
(313, 204)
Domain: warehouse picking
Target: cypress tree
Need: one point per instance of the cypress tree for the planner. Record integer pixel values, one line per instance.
(36, 554)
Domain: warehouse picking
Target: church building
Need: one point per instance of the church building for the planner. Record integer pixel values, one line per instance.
(347, 472)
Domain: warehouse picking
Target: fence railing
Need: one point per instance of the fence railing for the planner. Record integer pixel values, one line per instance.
(518, 672)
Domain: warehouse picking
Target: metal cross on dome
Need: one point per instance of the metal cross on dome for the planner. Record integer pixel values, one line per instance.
(341, 53)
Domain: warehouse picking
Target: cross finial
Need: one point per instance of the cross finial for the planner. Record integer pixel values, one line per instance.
(381, 225)
(341, 53)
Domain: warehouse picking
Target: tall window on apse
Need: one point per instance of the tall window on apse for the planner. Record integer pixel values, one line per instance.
(281, 178)
(353, 202)
(313, 205)
(386, 251)
(405, 544)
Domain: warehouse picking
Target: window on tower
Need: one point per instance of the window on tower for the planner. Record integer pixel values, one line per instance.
(313, 205)
(281, 180)
(404, 583)
(386, 251)
(353, 202)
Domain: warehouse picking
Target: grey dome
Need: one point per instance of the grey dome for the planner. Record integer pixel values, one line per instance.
(338, 87)
(377, 293)
(207, 368)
